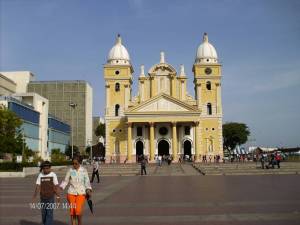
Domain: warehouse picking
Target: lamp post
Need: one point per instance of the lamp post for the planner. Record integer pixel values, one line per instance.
(91, 149)
(23, 147)
(73, 106)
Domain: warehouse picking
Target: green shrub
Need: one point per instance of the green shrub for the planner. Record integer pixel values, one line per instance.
(13, 166)
(18, 167)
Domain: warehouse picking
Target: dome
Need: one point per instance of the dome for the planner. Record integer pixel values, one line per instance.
(206, 52)
(118, 54)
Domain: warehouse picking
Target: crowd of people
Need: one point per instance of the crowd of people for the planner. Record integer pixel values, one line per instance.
(269, 161)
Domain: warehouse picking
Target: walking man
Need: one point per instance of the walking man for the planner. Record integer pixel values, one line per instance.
(278, 159)
(262, 160)
(143, 166)
(95, 171)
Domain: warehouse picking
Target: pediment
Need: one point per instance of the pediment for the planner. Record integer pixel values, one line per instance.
(162, 68)
(163, 103)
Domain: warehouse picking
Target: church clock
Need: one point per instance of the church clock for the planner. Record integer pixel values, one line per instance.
(208, 70)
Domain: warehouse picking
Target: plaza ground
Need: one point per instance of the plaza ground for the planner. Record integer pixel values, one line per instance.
(178, 198)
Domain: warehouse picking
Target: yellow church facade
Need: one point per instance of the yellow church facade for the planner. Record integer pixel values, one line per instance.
(163, 119)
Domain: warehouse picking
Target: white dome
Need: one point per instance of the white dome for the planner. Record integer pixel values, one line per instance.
(118, 54)
(206, 52)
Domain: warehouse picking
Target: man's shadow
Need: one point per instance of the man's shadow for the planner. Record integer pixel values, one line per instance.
(26, 222)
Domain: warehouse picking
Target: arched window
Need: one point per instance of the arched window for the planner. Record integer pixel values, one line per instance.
(208, 85)
(117, 107)
(117, 87)
(209, 109)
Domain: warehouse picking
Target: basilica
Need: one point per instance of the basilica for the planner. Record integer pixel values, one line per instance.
(163, 118)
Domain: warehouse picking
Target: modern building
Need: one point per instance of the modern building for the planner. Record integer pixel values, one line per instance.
(41, 133)
(7, 86)
(62, 94)
(163, 119)
(41, 105)
(20, 78)
(58, 134)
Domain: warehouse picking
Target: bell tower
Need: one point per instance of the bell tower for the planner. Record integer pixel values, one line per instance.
(118, 81)
(207, 81)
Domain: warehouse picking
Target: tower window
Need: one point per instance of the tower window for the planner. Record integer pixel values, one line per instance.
(208, 85)
(117, 107)
(139, 131)
(209, 109)
(187, 130)
(117, 87)
(117, 72)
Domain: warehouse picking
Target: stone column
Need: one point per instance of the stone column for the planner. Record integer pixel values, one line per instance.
(173, 85)
(219, 99)
(198, 88)
(174, 140)
(197, 141)
(183, 92)
(129, 141)
(142, 97)
(153, 86)
(151, 141)
(126, 96)
(107, 98)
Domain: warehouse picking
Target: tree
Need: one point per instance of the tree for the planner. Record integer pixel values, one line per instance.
(11, 138)
(57, 155)
(234, 134)
(100, 130)
(68, 151)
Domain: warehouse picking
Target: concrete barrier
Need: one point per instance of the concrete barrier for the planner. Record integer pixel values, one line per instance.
(27, 171)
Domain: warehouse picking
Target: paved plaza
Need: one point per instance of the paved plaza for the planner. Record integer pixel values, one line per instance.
(177, 198)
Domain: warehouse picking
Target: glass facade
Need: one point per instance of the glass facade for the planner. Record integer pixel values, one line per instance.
(31, 119)
(24, 112)
(58, 125)
(58, 131)
(58, 134)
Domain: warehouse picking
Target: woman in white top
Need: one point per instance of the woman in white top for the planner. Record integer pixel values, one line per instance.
(79, 186)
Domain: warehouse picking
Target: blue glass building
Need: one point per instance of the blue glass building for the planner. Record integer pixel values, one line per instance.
(30, 118)
(58, 134)
(58, 131)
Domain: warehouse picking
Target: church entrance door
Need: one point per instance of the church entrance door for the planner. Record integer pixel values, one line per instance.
(163, 148)
(187, 148)
(139, 146)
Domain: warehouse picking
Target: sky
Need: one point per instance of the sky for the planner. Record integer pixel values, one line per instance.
(257, 41)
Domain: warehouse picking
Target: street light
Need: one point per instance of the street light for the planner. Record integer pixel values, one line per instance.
(90, 147)
(73, 106)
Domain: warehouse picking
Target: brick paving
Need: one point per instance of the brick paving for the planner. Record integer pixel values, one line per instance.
(170, 196)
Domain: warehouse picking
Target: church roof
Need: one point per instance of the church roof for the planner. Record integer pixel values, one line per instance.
(162, 104)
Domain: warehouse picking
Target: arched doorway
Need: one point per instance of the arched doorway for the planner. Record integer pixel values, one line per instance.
(163, 148)
(139, 146)
(187, 148)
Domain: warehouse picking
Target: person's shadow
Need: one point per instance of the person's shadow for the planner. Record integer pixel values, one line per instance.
(26, 222)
